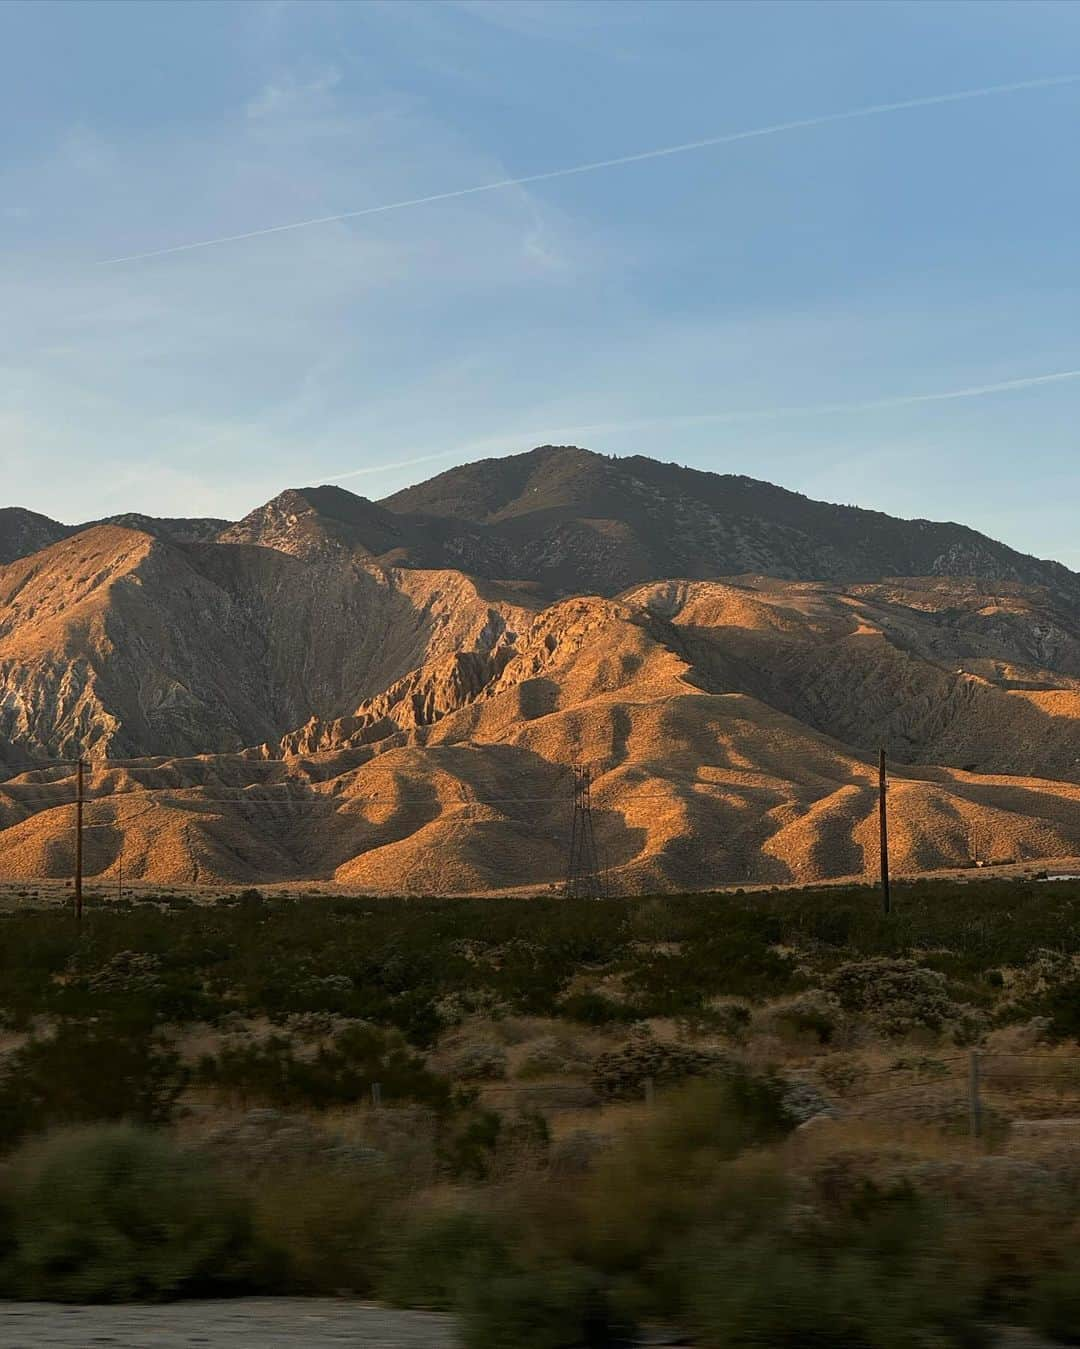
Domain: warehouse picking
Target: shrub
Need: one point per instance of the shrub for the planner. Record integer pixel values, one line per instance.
(1062, 1005)
(622, 1073)
(479, 1061)
(327, 1225)
(116, 1213)
(897, 996)
(553, 1056)
(812, 1015)
(876, 1277)
(670, 1175)
(85, 1073)
(339, 1073)
(594, 1009)
(436, 1254)
(548, 1306)
(1055, 1305)
(468, 1144)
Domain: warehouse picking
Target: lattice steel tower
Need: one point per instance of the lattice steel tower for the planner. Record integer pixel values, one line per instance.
(585, 877)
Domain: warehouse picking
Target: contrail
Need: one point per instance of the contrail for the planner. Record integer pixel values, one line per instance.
(816, 409)
(802, 123)
(763, 414)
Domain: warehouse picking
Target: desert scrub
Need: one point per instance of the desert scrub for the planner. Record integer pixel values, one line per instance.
(431, 1261)
(326, 1225)
(811, 1017)
(88, 1072)
(597, 1009)
(477, 1061)
(543, 1305)
(340, 1072)
(895, 996)
(553, 1056)
(622, 1074)
(1055, 1303)
(118, 1213)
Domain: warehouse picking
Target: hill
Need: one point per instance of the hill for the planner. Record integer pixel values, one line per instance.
(562, 521)
(306, 695)
(683, 701)
(118, 643)
(23, 532)
(575, 522)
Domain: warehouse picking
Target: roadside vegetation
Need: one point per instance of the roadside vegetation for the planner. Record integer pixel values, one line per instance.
(745, 1115)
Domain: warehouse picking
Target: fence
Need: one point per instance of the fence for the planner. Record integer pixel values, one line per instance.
(979, 1084)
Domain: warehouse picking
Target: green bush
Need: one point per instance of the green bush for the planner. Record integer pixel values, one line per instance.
(622, 1074)
(547, 1306)
(85, 1073)
(876, 1277)
(339, 1073)
(326, 1226)
(594, 1009)
(1062, 1005)
(118, 1213)
(435, 1256)
(1055, 1304)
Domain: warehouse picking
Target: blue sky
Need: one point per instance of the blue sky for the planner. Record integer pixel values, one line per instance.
(678, 307)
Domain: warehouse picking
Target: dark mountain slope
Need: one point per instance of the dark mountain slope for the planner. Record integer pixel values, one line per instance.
(23, 532)
(576, 521)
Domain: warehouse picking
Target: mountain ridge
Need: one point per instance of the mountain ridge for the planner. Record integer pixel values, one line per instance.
(390, 695)
(560, 520)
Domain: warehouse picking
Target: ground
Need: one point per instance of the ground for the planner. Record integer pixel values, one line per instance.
(248, 1323)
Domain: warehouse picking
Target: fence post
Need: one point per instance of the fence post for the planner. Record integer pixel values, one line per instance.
(650, 1091)
(376, 1094)
(975, 1100)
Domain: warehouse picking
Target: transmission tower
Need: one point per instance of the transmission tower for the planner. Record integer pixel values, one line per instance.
(585, 877)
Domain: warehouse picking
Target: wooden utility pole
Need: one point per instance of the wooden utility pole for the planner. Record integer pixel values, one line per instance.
(883, 811)
(78, 838)
(120, 877)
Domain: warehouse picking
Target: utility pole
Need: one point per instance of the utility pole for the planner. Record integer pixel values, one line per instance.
(883, 812)
(78, 838)
(120, 877)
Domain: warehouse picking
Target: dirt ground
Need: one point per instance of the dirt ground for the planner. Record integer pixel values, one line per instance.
(47, 893)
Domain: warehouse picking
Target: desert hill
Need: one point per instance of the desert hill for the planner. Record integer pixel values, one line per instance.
(124, 644)
(579, 522)
(566, 521)
(559, 520)
(695, 783)
(23, 532)
(390, 695)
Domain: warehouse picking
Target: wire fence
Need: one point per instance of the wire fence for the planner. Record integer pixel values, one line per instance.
(970, 1093)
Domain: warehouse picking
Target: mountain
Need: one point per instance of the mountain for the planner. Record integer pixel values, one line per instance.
(23, 532)
(577, 521)
(457, 778)
(125, 644)
(390, 695)
(321, 523)
(198, 529)
(565, 521)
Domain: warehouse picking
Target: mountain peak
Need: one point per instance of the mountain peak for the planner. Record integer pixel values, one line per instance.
(318, 523)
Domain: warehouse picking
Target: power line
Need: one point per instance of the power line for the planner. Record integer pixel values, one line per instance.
(585, 878)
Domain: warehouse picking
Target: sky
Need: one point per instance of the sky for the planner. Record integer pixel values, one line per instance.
(787, 305)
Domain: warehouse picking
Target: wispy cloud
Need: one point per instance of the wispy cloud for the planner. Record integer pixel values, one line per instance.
(619, 161)
(286, 93)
